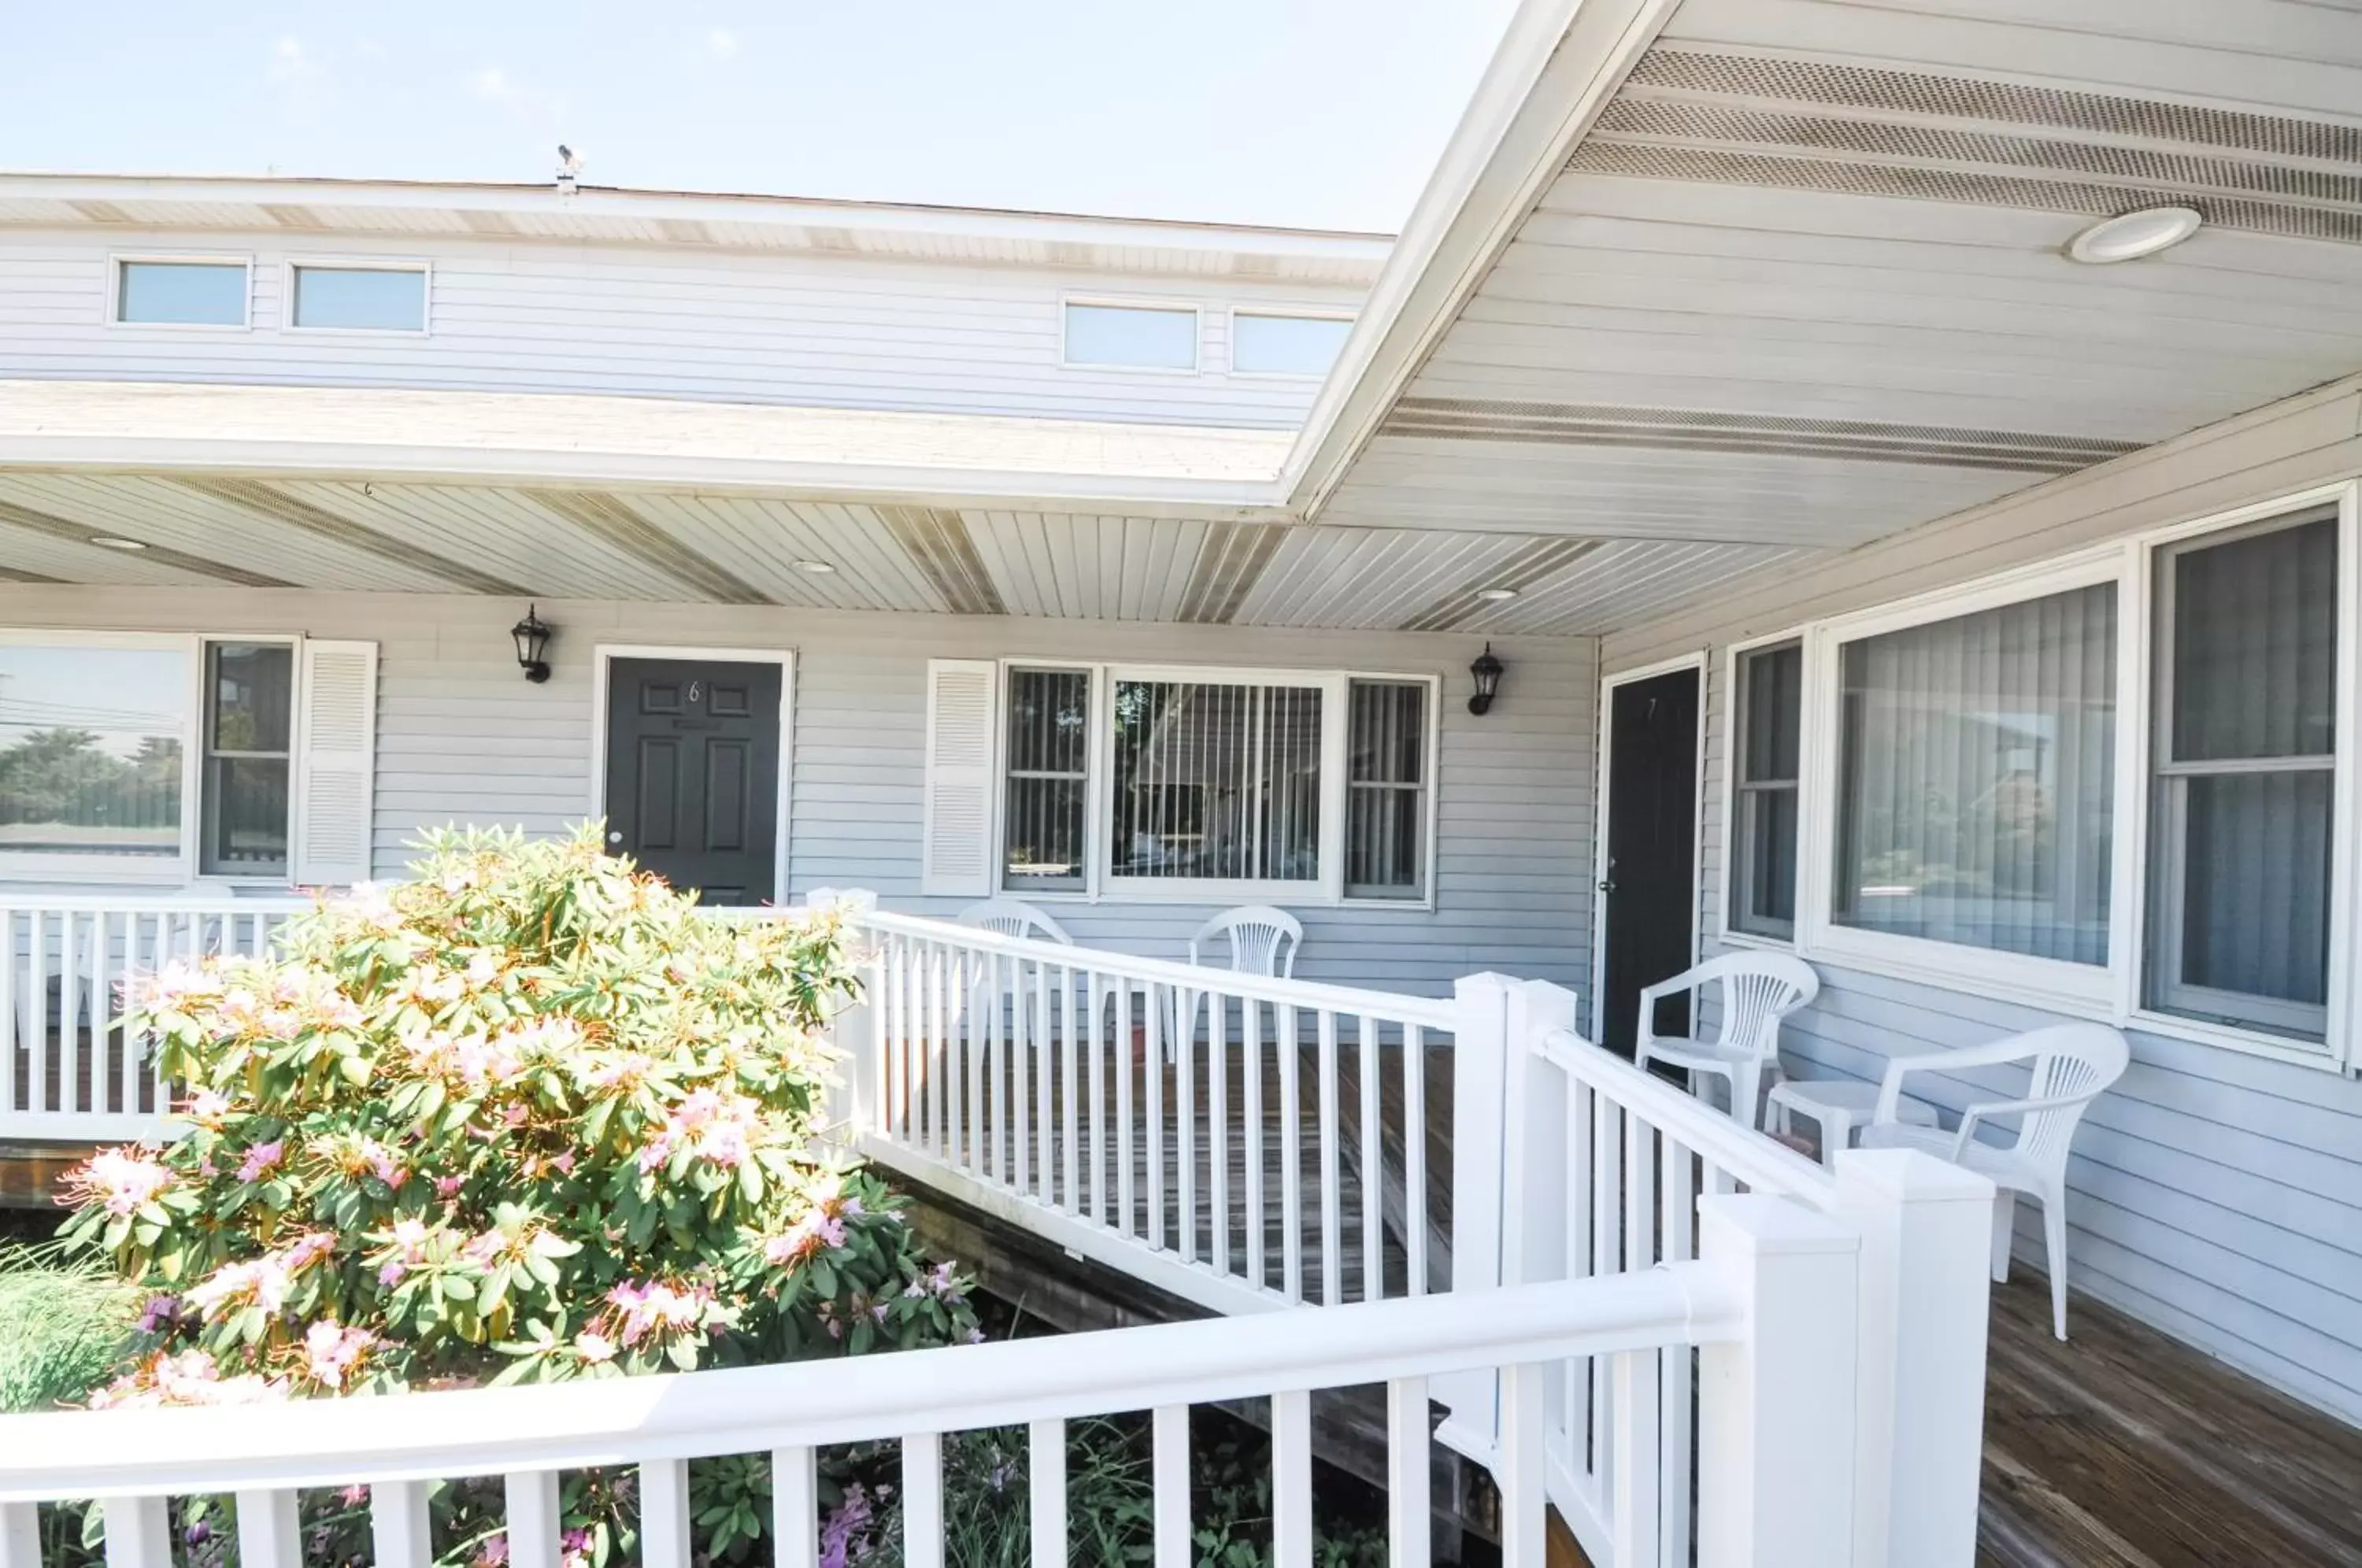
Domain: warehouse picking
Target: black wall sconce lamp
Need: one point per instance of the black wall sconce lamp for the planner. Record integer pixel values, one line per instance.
(532, 636)
(1487, 673)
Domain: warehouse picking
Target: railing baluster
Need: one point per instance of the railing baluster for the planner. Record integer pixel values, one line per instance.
(269, 1533)
(1637, 1508)
(1411, 1528)
(20, 1523)
(1217, 1128)
(923, 1500)
(1127, 1221)
(400, 1528)
(1185, 1121)
(1678, 1183)
(1291, 1479)
(1606, 1249)
(138, 1532)
(1153, 1016)
(128, 978)
(1046, 1067)
(1099, 1094)
(1045, 1469)
(1021, 1080)
(1525, 1536)
(1169, 1468)
(941, 1076)
(1415, 1157)
(795, 1509)
(1374, 1182)
(1333, 1239)
(534, 1521)
(664, 1514)
(9, 1020)
(1291, 1153)
(1071, 1078)
(1639, 1192)
(1251, 1091)
(69, 1013)
(37, 1008)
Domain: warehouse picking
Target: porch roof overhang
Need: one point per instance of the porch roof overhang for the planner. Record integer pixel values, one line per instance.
(1790, 274)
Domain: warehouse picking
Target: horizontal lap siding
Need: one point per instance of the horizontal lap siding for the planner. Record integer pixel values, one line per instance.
(462, 737)
(2214, 1194)
(842, 332)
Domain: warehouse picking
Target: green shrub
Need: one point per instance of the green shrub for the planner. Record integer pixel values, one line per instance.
(530, 1114)
(65, 1324)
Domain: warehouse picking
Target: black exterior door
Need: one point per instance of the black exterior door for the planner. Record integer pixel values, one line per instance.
(1651, 881)
(693, 772)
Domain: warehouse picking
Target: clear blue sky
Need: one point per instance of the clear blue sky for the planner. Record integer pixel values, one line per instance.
(1313, 111)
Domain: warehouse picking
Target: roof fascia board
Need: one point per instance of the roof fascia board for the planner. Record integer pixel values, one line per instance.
(1558, 64)
(651, 206)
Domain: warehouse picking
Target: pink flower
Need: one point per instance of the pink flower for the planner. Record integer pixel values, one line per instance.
(260, 1160)
(816, 1230)
(493, 1553)
(260, 1282)
(627, 1071)
(448, 1186)
(308, 1250)
(120, 1178)
(207, 1108)
(179, 982)
(513, 1114)
(715, 1127)
(332, 1350)
(385, 1165)
(658, 1308)
(595, 1347)
(191, 1378)
(355, 1496)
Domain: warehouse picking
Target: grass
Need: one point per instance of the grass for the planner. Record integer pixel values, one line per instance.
(64, 1323)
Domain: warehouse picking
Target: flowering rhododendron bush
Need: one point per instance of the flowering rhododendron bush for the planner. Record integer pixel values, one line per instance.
(529, 1115)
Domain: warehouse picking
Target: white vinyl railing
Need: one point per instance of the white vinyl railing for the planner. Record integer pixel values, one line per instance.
(1224, 1135)
(66, 1069)
(1768, 1305)
(1570, 1163)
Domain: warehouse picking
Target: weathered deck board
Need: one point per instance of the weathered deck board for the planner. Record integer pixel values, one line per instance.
(2125, 1449)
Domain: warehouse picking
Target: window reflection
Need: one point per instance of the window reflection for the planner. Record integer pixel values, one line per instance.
(91, 750)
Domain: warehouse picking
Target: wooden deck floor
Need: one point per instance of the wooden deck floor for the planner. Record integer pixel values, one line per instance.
(2123, 1449)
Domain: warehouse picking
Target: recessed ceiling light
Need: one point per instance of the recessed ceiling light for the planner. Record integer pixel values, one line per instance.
(109, 542)
(1495, 595)
(2128, 236)
(818, 569)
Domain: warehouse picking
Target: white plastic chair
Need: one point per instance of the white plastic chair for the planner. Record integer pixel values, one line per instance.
(1263, 940)
(2073, 1063)
(1014, 917)
(1758, 989)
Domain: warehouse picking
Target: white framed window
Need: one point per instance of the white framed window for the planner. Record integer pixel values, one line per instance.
(1766, 753)
(2120, 785)
(2249, 794)
(1280, 342)
(360, 295)
(1157, 782)
(1969, 815)
(132, 758)
(1110, 334)
(248, 746)
(193, 290)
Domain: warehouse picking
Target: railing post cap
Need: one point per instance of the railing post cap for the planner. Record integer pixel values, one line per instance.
(1484, 980)
(1762, 1224)
(1911, 1176)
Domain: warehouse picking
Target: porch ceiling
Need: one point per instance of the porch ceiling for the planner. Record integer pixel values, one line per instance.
(565, 541)
(1801, 283)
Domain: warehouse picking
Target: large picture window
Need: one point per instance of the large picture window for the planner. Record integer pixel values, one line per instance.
(1283, 786)
(92, 759)
(1975, 778)
(1767, 767)
(2243, 759)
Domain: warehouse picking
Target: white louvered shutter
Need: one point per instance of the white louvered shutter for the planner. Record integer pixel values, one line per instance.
(956, 854)
(335, 762)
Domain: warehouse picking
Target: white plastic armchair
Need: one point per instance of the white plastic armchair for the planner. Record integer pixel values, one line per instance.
(1758, 989)
(1014, 917)
(1263, 940)
(2073, 1065)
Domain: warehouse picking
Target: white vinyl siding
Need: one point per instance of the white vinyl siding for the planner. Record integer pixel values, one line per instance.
(2214, 1193)
(852, 332)
(462, 737)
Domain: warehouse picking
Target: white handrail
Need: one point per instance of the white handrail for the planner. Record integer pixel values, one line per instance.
(208, 903)
(1759, 1162)
(1311, 995)
(745, 1410)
